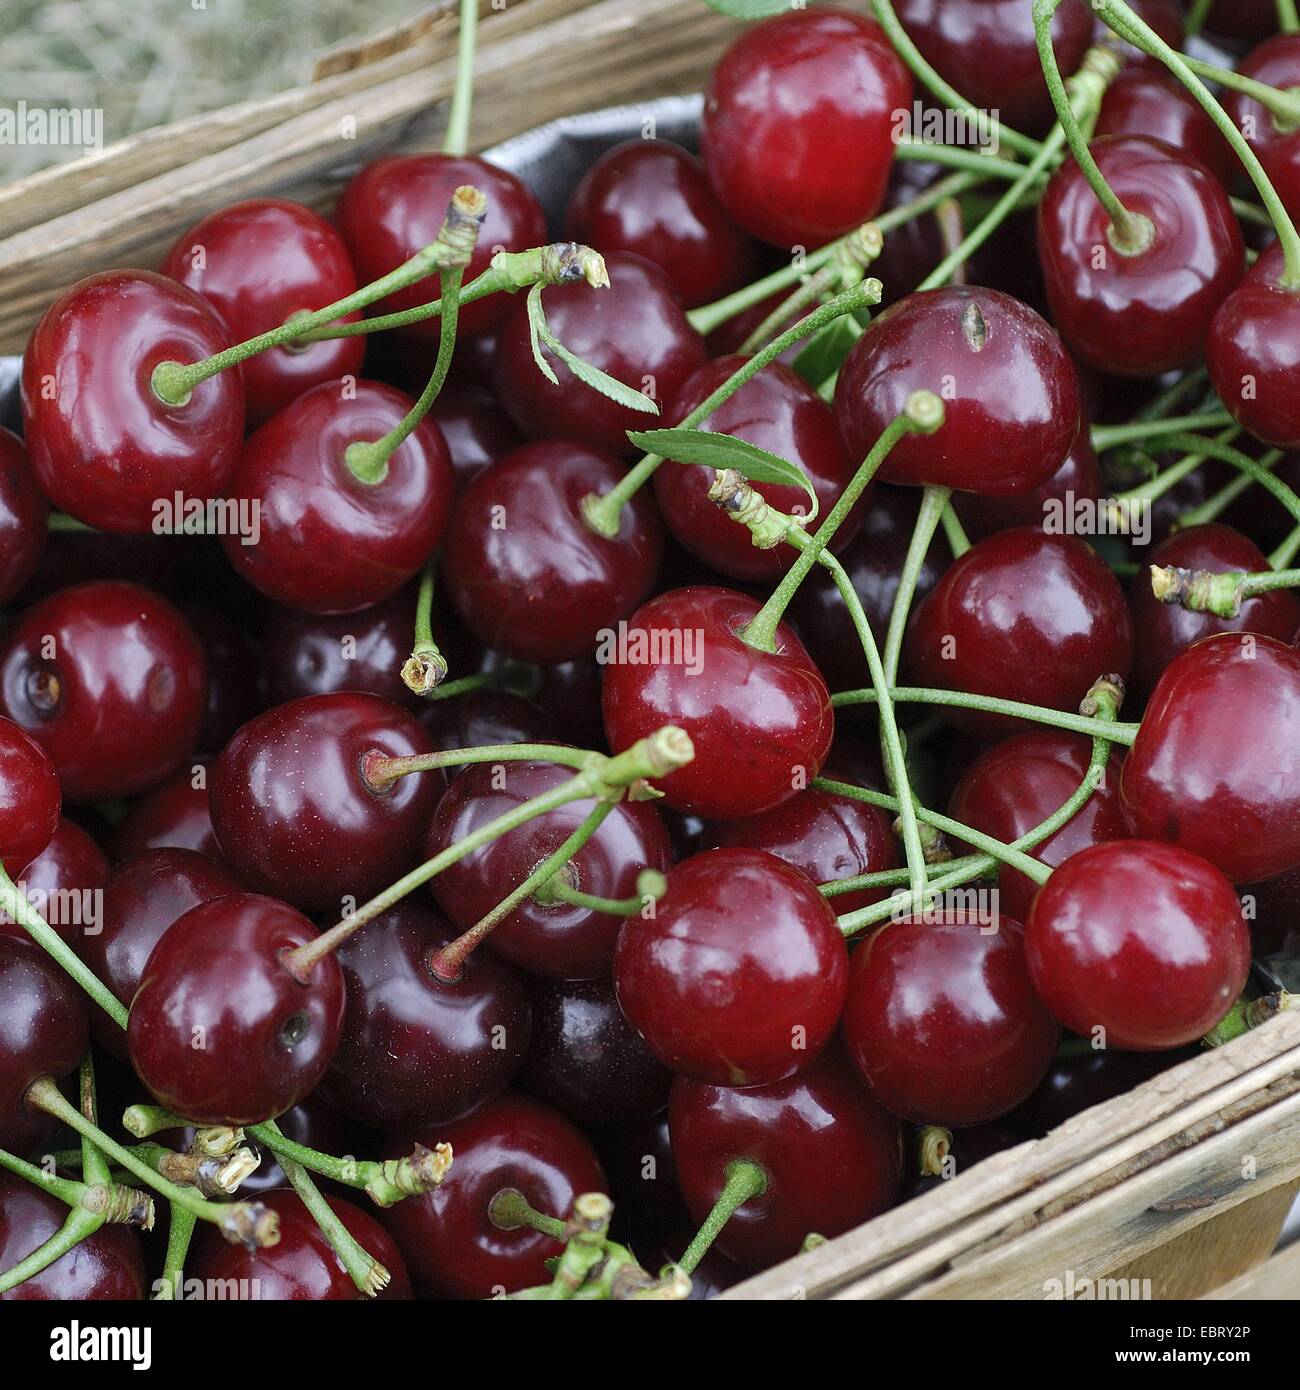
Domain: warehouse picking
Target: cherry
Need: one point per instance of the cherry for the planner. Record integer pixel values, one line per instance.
(1144, 101)
(1022, 615)
(1275, 63)
(78, 557)
(524, 570)
(739, 976)
(140, 901)
(1148, 311)
(111, 681)
(799, 125)
(294, 813)
(635, 330)
(104, 447)
(475, 429)
(729, 336)
(258, 263)
(586, 1061)
(1164, 16)
(329, 542)
(29, 798)
(59, 881)
(312, 1122)
(561, 940)
(832, 1157)
(417, 1050)
(175, 814)
(986, 50)
(653, 198)
(827, 837)
(106, 1265)
(1242, 21)
(1018, 783)
(1273, 921)
(301, 1266)
(1138, 943)
(761, 722)
(43, 1032)
(1215, 768)
(778, 411)
(1010, 419)
(1162, 630)
(569, 696)
(232, 676)
(24, 514)
(219, 1029)
(396, 205)
(941, 1020)
(1075, 1083)
(912, 250)
(452, 1246)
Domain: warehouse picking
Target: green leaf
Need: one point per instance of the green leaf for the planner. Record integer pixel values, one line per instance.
(536, 327)
(750, 9)
(710, 450)
(825, 352)
(540, 332)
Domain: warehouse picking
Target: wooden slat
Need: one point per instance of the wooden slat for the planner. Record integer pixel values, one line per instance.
(1276, 1280)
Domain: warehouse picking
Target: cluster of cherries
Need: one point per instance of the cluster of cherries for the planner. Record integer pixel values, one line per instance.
(629, 903)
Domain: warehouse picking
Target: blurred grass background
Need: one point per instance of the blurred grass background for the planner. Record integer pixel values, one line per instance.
(146, 62)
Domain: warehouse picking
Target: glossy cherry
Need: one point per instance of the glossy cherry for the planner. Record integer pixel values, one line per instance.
(475, 428)
(800, 118)
(417, 1050)
(328, 542)
(739, 976)
(777, 411)
(653, 198)
(524, 570)
(761, 722)
(1275, 63)
(60, 881)
(104, 447)
(24, 515)
(174, 814)
(1144, 312)
(219, 1030)
(832, 1157)
(635, 330)
(1022, 615)
(1151, 102)
(1010, 391)
(1018, 783)
(941, 1019)
(233, 697)
(294, 813)
(258, 263)
(451, 1245)
(1140, 944)
(1215, 768)
(29, 798)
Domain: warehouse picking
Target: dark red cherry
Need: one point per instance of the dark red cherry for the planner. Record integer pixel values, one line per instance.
(1022, 615)
(417, 1050)
(111, 681)
(1077, 1082)
(569, 696)
(479, 718)
(635, 330)
(832, 1157)
(1010, 391)
(474, 427)
(233, 697)
(300, 1266)
(761, 722)
(1215, 768)
(294, 813)
(1146, 312)
(1018, 783)
(1139, 944)
(941, 1019)
(104, 447)
(452, 1246)
(986, 50)
(1150, 102)
(653, 198)
(1164, 16)
(29, 798)
(62, 883)
(219, 1030)
(258, 263)
(107, 1265)
(800, 121)
(328, 542)
(827, 837)
(175, 814)
(524, 570)
(1242, 21)
(561, 941)
(24, 515)
(739, 976)
(1275, 63)
(44, 1031)
(912, 250)
(1272, 915)
(585, 1059)
(778, 411)
(78, 557)
(1162, 630)
(395, 207)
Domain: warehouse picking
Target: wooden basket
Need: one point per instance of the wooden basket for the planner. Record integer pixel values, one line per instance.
(1184, 1182)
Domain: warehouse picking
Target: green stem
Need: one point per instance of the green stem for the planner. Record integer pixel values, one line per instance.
(964, 160)
(933, 502)
(1221, 593)
(448, 690)
(1109, 436)
(954, 532)
(456, 140)
(1217, 503)
(1284, 105)
(1196, 16)
(1281, 558)
(892, 878)
(1169, 478)
(94, 1166)
(426, 667)
(1288, 18)
(62, 522)
(744, 1182)
(77, 1225)
(364, 1270)
(1212, 448)
(385, 1182)
(381, 771)
(1174, 395)
(180, 1230)
(651, 885)
(1246, 1014)
(509, 1209)
(67, 1190)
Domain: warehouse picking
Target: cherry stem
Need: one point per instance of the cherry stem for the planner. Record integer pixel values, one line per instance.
(180, 1230)
(1110, 436)
(385, 1182)
(603, 513)
(923, 414)
(62, 522)
(933, 1145)
(1196, 17)
(744, 1181)
(1288, 18)
(651, 885)
(933, 502)
(381, 771)
(1169, 478)
(94, 1166)
(1225, 453)
(890, 878)
(77, 1226)
(456, 139)
(426, 667)
(1219, 502)
(990, 132)
(1246, 1014)
(67, 1190)
(1172, 396)
(1282, 104)
(509, 1210)
(954, 532)
(1281, 558)
(1205, 591)
(604, 778)
(363, 1269)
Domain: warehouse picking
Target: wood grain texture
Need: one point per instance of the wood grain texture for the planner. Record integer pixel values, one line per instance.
(1277, 1280)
